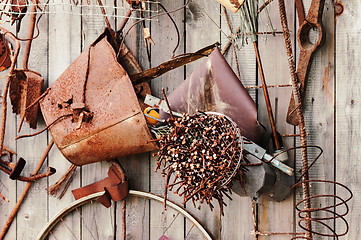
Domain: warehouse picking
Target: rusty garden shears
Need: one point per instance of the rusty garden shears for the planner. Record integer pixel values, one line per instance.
(307, 48)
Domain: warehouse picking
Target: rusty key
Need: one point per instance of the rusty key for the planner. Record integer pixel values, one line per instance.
(307, 48)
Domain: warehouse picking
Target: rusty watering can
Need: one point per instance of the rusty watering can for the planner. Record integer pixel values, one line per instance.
(93, 108)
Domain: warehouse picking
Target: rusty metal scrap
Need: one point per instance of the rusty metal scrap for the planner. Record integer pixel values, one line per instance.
(5, 60)
(25, 191)
(307, 49)
(25, 89)
(203, 152)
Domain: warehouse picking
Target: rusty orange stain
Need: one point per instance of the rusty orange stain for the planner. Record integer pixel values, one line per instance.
(326, 79)
(338, 9)
(264, 222)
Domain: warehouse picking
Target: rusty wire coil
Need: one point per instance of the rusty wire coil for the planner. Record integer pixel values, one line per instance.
(203, 152)
(332, 211)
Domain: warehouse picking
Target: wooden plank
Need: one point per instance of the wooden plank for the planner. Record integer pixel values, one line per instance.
(32, 215)
(8, 186)
(275, 216)
(237, 221)
(348, 114)
(202, 29)
(136, 166)
(102, 226)
(160, 220)
(319, 115)
(64, 48)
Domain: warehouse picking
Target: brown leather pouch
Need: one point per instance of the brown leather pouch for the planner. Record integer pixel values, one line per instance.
(93, 109)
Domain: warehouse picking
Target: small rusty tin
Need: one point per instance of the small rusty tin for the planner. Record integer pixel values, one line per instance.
(117, 127)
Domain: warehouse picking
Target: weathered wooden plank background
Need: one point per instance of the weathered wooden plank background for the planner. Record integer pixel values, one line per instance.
(332, 116)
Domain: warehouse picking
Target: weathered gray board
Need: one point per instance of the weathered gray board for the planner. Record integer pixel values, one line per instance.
(331, 109)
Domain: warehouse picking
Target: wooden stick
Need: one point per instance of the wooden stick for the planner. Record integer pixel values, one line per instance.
(30, 34)
(23, 195)
(6, 89)
(266, 97)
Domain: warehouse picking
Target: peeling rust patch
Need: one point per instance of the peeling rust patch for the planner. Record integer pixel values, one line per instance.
(235, 3)
(326, 87)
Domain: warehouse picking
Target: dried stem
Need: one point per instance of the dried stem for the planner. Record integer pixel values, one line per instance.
(7, 84)
(104, 14)
(233, 45)
(30, 34)
(166, 101)
(65, 181)
(44, 129)
(5, 199)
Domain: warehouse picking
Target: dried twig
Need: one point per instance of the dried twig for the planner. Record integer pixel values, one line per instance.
(7, 84)
(234, 46)
(264, 5)
(64, 181)
(44, 129)
(5, 199)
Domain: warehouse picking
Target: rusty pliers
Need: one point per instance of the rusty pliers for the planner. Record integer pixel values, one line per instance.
(307, 48)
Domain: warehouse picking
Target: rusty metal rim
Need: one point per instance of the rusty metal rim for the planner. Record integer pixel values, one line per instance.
(88, 199)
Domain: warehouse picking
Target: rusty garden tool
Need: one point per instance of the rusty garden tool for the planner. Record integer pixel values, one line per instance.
(313, 21)
(25, 191)
(15, 168)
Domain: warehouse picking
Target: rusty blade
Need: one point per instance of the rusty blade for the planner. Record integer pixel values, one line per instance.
(302, 74)
(25, 87)
(307, 49)
(300, 11)
(170, 65)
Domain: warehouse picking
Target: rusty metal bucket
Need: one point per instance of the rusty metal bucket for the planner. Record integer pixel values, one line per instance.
(94, 110)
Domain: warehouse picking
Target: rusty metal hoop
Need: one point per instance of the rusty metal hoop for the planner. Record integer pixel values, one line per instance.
(46, 231)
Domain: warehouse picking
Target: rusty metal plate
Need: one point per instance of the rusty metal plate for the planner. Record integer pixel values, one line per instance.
(213, 87)
(25, 87)
(117, 128)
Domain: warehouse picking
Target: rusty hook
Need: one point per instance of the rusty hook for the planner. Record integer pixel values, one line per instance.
(16, 169)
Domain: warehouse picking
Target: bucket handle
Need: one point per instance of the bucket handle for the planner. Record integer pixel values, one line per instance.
(172, 64)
